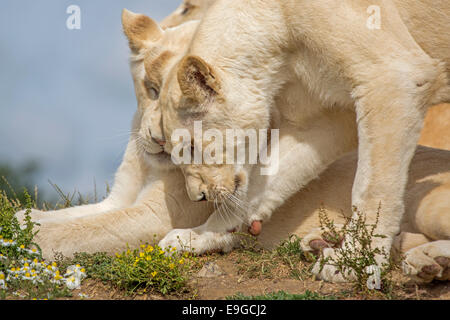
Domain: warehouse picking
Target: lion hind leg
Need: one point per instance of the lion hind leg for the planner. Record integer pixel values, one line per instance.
(433, 215)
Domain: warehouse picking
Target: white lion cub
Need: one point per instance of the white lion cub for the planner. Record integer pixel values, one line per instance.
(306, 60)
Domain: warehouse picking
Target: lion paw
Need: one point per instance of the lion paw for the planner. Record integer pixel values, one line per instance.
(197, 241)
(330, 272)
(316, 241)
(428, 262)
(325, 244)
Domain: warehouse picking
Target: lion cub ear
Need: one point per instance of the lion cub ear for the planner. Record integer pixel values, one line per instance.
(140, 29)
(197, 79)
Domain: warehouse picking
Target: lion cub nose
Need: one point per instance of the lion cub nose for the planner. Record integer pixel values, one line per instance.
(162, 143)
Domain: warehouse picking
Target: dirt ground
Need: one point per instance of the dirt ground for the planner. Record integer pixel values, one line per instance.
(232, 281)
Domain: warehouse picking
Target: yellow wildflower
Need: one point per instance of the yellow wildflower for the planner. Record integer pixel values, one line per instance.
(141, 254)
(171, 266)
(154, 273)
(181, 261)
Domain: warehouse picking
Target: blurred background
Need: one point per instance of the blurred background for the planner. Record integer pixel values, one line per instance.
(66, 96)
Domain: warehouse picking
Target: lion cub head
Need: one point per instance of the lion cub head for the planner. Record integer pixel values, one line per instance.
(197, 94)
(153, 52)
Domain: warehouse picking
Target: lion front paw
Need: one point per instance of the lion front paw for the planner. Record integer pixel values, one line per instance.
(329, 272)
(327, 245)
(318, 243)
(181, 239)
(428, 262)
(197, 241)
(317, 240)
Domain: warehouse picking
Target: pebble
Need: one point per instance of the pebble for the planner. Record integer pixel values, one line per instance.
(210, 270)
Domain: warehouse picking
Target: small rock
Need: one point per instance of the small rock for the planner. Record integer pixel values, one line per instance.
(210, 270)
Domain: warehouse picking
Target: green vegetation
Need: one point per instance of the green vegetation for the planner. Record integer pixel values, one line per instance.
(288, 259)
(151, 268)
(23, 273)
(355, 261)
(22, 177)
(143, 270)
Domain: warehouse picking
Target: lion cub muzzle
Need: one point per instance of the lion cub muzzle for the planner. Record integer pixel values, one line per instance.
(213, 183)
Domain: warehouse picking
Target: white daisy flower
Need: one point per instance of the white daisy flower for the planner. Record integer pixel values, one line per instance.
(73, 283)
(33, 251)
(7, 243)
(36, 264)
(77, 271)
(2, 281)
(27, 276)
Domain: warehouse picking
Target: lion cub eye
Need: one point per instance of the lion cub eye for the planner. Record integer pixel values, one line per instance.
(187, 8)
(153, 93)
(152, 89)
(185, 11)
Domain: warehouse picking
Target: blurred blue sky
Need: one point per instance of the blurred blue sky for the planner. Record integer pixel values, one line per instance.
(66, 96)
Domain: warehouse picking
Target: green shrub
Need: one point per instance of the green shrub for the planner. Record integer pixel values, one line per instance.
(353, 260)
(151, 268)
